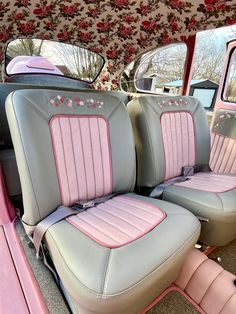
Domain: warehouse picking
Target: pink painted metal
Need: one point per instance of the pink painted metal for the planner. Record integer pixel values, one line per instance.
(179, 142)
(210, 182)
(11, 296)
(118, 221)
(83, 157)
(29, 287)
(7, 212)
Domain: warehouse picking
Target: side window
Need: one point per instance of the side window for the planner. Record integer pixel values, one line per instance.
(158, 71)
(208, 64)
(230, 85)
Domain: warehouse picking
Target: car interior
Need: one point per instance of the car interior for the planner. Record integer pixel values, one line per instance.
(117, 180)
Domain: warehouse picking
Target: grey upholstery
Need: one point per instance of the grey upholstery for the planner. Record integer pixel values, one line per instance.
(7, 88)
(219, 206)
(97, 278)
(10, 172)
(7, 156)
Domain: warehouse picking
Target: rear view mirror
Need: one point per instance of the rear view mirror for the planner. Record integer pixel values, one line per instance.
(37, 56)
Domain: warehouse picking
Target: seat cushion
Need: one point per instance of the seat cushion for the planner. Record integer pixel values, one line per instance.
(101, 279)
(209, 195)
(118, 221)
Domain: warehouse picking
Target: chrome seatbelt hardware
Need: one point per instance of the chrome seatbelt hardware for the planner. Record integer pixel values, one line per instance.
(84, 205)
(202, 219)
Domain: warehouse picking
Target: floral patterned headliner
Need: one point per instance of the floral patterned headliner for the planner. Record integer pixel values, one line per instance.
(117, 29)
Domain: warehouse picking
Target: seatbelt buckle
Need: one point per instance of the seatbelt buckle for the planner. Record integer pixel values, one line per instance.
(188, 171)
(84, 205)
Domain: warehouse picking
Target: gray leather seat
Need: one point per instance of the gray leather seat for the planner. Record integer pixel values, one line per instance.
(7, 155)
(170, 133)
(118, 256)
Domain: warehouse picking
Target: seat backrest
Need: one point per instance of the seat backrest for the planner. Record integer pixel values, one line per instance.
(69, 146)
(7, 88)
(170, 133)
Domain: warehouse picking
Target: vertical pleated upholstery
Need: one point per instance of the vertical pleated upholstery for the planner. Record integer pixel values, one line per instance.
(223, 154)
(179, 142)
(82, 152)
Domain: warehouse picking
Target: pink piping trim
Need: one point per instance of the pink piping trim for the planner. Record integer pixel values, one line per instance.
(216, 133)
(128, 241)
(7, 211)
(53, 144)
(171, 288)
(194, 129)
(216, 193)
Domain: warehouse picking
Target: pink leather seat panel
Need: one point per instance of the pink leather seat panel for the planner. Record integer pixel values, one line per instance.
(118, 221)
(223, 152)
(210, 182)
(179, 142)
(83, 157)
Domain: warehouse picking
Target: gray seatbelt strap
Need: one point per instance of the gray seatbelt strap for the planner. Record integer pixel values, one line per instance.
(159, 189)
(187, 171)
(61, 213)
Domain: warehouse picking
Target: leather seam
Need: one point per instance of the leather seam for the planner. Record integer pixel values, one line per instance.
(99, 295)
(36, 109)
(226, 302)
(210, 285)
(23, 149)
(106, 272)
(220, 199)
(186, 287)
(149, 139)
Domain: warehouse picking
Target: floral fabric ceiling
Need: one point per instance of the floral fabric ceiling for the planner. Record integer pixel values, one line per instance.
(118, 29)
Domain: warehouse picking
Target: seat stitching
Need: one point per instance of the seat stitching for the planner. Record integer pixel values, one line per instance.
(186, 287)
(82, 148)
(74, 159)
(109, 223)
(225, 145)
(96, 227)
(64, 161)
(211, 285)
(101, 154)
(35, 108)
(220, 199)
(92, 153)
(131, 214)
(138, 206)
(116, 107)
(128, 222)
(149, 139)
(226, 164)
(106, 271)
(226, 302)
(214, 157)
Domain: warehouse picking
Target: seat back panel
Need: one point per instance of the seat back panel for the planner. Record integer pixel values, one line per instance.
(30, 114)
(179, 142)
(83, 156)
(170, 132)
